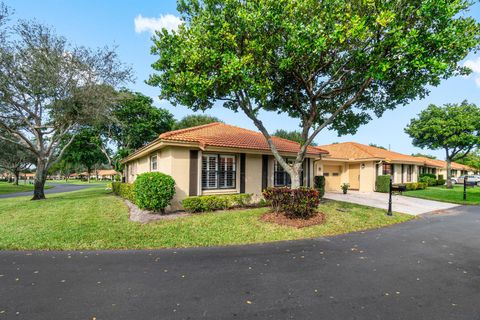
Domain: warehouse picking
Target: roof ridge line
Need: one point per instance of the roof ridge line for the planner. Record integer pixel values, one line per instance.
(171, 133)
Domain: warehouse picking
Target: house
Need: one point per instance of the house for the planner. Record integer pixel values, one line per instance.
(217, 158)
(439, 167)
(359, 165)
(107, 174)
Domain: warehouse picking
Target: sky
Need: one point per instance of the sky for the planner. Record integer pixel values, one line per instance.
(128, 24)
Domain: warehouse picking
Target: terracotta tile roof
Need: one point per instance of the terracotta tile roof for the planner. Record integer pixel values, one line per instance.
(358, 151)
(218, 134)
(443, 164)
(109, 172)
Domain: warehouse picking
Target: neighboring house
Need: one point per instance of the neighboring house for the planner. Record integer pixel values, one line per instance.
(108, 174)
(217, 158)
(359, 165)
(439, 167)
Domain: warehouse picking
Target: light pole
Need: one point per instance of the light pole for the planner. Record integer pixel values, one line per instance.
(389, 213)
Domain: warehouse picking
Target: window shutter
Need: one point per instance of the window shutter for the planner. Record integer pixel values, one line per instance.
(242, 173)
(193, 173)
(264, 172)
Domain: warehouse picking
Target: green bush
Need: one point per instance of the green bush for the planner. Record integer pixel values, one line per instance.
(295, 203)
(428, 180)
(441, 182)
(153, 190)
(422, 185)
(319, 183)
(382, 184)
(441, 177)
(124, 190)
(430, 175)
(216, 202)
(411, 186)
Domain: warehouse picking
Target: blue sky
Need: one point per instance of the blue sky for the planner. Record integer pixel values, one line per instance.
(96, 23)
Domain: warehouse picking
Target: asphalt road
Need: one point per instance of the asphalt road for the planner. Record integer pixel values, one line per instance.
(424, 269)
(57, 188)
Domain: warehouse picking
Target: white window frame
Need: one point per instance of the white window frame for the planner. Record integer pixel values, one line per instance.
(154, 162)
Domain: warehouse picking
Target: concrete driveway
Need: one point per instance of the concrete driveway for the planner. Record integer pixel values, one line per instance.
(427, 268)
(408, 205)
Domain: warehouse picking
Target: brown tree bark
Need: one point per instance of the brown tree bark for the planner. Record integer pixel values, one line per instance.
(40, 178)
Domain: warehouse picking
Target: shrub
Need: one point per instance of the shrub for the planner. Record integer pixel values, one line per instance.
(422, 185)
(411, 186)
(319, 183)
(153, 190)
(295, 203)
(441, 177)
(428, 180)
(430, 175)
(441, 182)
(124, 190)
(216, 202)
(382, 184)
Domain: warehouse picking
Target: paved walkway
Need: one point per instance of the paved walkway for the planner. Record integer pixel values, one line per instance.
(57, 188)
(409, 205)
(428, 268)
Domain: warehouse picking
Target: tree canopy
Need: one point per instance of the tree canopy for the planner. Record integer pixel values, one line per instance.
(14, 158)
(137, 121)
(454, 128)
(291, 135)
(377, 146)
(50, 89)
(330, 64)
(194, 120)
(424, 155)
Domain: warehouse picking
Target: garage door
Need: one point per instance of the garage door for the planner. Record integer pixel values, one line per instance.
(332, 178)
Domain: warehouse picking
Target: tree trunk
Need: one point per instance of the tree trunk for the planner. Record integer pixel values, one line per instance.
(17, 177)
(40, 178)
(295, 176)
(449, 174)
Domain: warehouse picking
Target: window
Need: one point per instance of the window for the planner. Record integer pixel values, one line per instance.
(280, 177)
(218, 171)
(153, 163)
(386, 168)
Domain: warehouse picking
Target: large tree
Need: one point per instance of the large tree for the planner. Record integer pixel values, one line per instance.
(194, 120)
(472, 159)
(136, 121)
(50, 89)
(14, 158)
(454, 128)
(330, 64)
(84, 150)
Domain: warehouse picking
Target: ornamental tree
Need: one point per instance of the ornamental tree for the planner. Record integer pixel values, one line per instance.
(329, 64)
(455, 128)
(50, 89)
(14, 158)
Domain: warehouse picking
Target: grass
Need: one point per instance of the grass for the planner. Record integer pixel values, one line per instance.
(441, 193)
(6, 187)
(95, 219)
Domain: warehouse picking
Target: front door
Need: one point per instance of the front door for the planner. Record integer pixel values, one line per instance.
(354, 176)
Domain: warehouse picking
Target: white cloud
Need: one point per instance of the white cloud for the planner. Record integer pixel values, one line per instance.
(475, 66)
(145, 24)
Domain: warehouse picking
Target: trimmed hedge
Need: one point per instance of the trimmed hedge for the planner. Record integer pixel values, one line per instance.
(383, 184)
(124, 190)
(153, 190)
(295, 203)
(415, 186)
(430, 175)
(319, 183)
(216, 202)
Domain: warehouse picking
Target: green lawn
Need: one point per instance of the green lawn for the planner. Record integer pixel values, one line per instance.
(95, 219)
(79, 182)
(443, 194)
(6, 187)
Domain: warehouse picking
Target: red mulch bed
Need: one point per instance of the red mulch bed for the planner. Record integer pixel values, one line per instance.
(282, 219)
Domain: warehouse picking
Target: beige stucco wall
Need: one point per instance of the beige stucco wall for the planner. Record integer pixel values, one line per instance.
(253, 174)
(367, 176)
